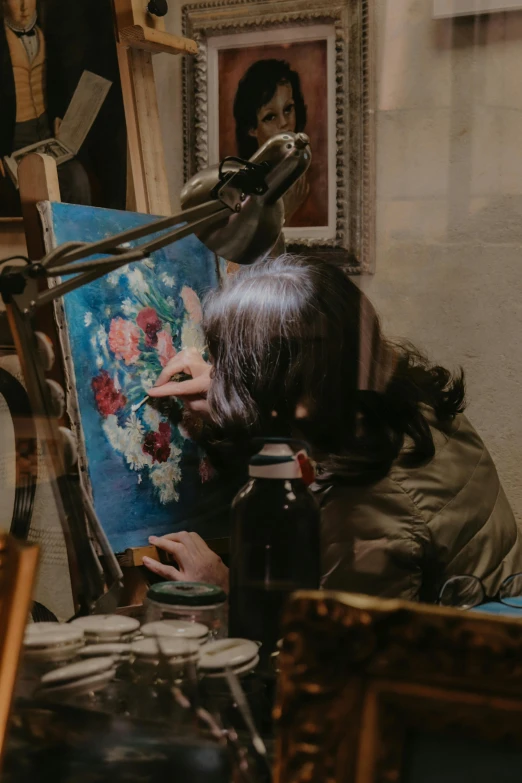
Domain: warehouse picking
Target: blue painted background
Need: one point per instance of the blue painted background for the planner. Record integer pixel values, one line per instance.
(133, 499)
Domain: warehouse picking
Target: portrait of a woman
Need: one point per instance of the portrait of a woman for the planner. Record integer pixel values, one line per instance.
(268, 101)
(267, 89)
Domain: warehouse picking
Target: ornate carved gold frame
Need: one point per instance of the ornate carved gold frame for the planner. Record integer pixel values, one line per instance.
(353, 246)
(361, 676)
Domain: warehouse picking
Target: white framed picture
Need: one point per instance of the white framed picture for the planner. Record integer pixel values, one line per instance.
(448, 8)
(240, 63)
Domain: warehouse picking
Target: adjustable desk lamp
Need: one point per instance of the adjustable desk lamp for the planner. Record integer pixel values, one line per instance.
(235, 209)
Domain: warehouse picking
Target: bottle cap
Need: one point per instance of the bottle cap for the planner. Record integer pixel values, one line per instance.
(187, 594)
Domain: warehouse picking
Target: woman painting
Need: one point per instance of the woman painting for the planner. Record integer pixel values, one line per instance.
(269, 101)
(409, 494)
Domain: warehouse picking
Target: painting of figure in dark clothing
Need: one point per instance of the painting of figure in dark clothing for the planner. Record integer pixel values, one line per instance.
(45, 47)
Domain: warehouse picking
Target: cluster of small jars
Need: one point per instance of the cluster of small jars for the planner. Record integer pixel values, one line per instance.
(112, 663)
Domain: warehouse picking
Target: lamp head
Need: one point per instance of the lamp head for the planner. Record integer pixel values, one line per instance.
(250, 231)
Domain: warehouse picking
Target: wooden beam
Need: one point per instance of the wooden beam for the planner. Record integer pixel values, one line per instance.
(149, 177)
(155, 41)
(38, 181)
(141, 30)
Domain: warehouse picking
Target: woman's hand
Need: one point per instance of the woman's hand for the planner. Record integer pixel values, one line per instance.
(195, 561)
(193, 392)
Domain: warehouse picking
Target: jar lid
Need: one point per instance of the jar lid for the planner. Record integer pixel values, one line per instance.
(177, 629)
(165, 646)
(186, 594)
(115, 649)
(48, 636)
(107, 627)
(236, 654)
(78, 671)
(79, 687)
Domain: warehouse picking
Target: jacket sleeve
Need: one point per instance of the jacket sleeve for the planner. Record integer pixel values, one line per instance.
(374, 541)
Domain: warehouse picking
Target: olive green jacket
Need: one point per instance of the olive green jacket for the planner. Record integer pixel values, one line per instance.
(405, 535)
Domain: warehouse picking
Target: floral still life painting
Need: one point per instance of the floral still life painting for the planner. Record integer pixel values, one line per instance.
(118, 332)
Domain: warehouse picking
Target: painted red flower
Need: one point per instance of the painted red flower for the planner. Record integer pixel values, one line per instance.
(165, 348)
(124, 337)
(148, 320)
(157, 444)
(108, 398)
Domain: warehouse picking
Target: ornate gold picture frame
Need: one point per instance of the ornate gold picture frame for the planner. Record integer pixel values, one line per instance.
(231, 35)
(376, 691)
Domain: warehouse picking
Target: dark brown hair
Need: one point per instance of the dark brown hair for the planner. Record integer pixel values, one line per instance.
(293, 331)
(256, 88)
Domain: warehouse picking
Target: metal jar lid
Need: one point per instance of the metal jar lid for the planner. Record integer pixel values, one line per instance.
(193, 594)
(81, 677)
(52, 641)
(240, 655)
(117, 650)
(107, 627)
(176, 629)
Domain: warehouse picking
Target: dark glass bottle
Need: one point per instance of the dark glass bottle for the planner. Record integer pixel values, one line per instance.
(275, 546)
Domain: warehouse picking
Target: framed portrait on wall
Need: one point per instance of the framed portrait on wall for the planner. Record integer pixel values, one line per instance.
(268, 67)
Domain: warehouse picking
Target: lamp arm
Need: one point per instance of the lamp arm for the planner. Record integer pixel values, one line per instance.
(96, 268)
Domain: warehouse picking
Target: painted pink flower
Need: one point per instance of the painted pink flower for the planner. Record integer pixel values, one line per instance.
(206, 471)
(165, 348)
(192, 304)
(108, 399)
(124, 337)
(147, 319)
(157, 444)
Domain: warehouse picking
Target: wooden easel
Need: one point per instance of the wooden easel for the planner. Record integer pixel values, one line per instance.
(138, 36)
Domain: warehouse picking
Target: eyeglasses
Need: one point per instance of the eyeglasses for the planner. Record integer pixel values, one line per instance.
(467, 592)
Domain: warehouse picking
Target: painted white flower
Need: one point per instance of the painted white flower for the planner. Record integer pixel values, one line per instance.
(166, 476)
(87, 319)
(140, 478)
(170, 301)
(147, 380)
(94, 342)
(192, 336)
(102, 337)
(169, 280)
(137, 282)
(99, 362)
(116, 435)
(151, 417)
(117, 384)
(107, 311)
(149, 262)
(134, 454)
(128, 307)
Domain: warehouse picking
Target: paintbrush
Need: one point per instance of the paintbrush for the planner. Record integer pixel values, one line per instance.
(177, 378)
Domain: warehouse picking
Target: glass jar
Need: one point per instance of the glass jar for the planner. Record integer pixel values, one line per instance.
(241, 657)
(107, 628)
(194, 602)
(159, 663)
(46, 647)
(177, 629)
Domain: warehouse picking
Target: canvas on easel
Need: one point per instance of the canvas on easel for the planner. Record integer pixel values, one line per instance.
(144, 473)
